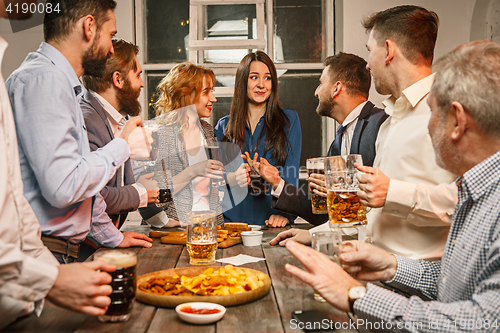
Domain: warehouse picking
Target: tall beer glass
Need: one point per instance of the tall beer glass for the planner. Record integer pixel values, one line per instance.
(344, 206)
(123, 283)
(316, 165)
(212, 149)
(201, 240)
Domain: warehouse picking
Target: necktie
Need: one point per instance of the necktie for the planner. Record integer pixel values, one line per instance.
(338, 138)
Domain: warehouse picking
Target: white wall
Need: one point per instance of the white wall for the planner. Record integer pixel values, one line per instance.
(21, 43)
(455, 18)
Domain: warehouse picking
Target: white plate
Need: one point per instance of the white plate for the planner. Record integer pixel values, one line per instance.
(200, 318)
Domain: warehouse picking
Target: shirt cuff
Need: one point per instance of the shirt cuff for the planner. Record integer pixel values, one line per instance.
(276, 193)
(379, 303)
(159, 220)
(407, 272)
(143, 194)
(119, 150)
(321, 227)
(400, 198)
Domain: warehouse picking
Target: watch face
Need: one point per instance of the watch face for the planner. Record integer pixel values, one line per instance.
(357, 292)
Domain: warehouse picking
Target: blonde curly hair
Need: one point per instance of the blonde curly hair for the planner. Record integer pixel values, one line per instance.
(175, 91)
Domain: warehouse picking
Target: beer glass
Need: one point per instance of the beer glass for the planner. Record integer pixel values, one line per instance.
(316, 165)
(201, 240)
(329, 243)
(150, 128)
(344, 206)
(123, 283)
(212, 149)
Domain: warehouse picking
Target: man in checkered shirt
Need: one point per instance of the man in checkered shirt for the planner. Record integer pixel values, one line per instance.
(462, 290)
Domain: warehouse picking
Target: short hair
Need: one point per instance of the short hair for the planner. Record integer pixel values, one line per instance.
(351, 71)
(413, 28)
(58, 25)
(122, 61)
(470, 75)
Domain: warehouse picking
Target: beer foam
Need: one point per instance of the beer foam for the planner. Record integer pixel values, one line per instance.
(119, 259)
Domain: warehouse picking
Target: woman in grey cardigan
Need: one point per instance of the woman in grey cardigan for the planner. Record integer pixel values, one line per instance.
(186, 95)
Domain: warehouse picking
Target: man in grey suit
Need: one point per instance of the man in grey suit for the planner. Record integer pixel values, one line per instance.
(343, 95)
(106, 105)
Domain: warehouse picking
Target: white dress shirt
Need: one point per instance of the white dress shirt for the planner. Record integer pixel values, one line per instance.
(117, 121)
(350, 125)
(415, 219)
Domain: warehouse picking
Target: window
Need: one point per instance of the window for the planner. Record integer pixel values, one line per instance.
(296, 34)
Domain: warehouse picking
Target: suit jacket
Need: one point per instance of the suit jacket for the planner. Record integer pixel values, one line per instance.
(296, 201)
(119, 199)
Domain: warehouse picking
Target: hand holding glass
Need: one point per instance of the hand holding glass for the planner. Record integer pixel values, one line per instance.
(344, 206)
(212, 149)
(318, 202)
(143, 142)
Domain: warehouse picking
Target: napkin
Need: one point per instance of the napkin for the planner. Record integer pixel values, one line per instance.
(240, 259)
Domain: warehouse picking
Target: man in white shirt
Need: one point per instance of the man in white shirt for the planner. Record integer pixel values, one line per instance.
(29, 272)
(413, 211)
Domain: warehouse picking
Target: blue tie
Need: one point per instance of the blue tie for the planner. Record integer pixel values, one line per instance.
(338, 138)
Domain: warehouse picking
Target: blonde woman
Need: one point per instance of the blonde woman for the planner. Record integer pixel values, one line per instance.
(186, 95)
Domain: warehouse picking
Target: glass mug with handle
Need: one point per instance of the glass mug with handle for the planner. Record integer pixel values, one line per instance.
(123, 283)
(344, 205)
(318, 202)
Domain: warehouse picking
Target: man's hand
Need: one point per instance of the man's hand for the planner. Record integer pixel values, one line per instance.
(140, 142)
(135, 239)
(277, 221)
(298, 235)
(367, 262)
(80, 287)
(130, 126)
(209, 168)
(318, 183)
(151, 186)
(325, 276)
(373, 186)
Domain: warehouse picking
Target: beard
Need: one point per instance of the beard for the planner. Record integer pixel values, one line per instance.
(443, 149)
(94, 60)
(325, 108)
(127, 99)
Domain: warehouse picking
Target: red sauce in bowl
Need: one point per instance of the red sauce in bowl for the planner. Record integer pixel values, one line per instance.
(189, 309)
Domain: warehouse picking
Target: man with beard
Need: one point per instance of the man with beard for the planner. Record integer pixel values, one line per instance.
(343, 92)
(106, 105)
(62, 178)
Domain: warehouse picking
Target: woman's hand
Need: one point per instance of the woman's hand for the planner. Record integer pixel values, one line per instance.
(209, 168)
(242, 175)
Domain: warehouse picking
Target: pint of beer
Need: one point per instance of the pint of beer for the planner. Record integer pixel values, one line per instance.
(201, 240)
(123, 283)
(344, 206)
(316, 165)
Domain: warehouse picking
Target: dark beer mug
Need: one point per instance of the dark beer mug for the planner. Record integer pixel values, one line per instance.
(123, 283)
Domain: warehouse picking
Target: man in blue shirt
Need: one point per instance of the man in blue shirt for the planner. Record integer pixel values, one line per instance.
(464, 286)
(61, 177)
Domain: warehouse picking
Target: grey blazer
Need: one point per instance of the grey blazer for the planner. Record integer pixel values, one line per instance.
(296, 201)
(173, 152)
(119, 200)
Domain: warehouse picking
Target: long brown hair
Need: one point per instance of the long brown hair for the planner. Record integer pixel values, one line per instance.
(175, 92)
(276, 122)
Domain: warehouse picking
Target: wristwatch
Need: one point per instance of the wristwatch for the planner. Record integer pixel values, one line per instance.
(355, 293)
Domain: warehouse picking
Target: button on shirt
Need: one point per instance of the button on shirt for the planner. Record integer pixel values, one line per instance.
(405, 155)
(28, 269)
(116, 122)
(60, 174)
(466, 282)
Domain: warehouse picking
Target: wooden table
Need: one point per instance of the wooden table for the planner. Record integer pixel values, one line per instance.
(271, 313)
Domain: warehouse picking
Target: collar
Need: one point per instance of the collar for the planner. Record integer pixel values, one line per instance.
(413, 94)
(113, 114)
(482, 176)
(58, 59)
(354, 114)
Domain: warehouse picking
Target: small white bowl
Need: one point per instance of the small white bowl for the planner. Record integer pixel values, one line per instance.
(255, 227)
(251, 238)
(200, 318)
